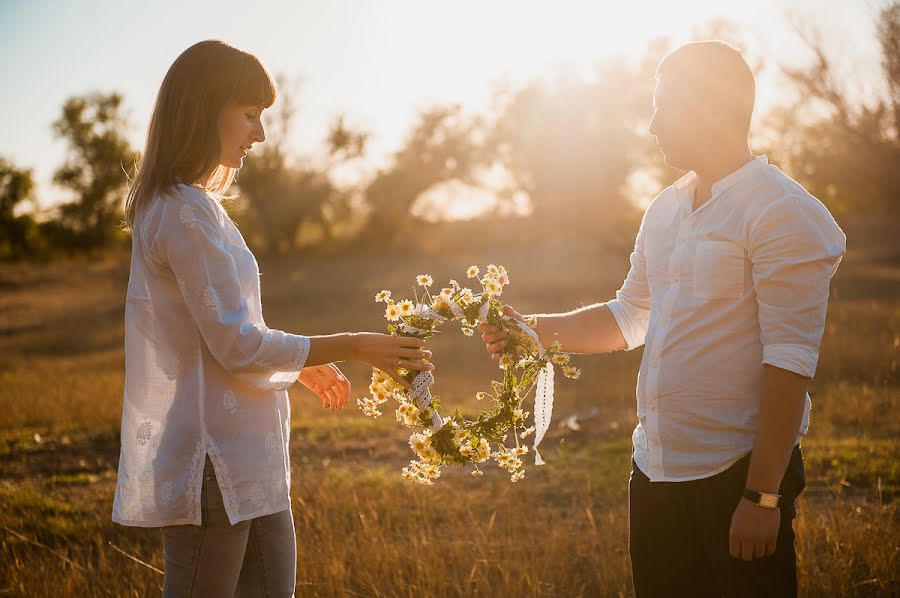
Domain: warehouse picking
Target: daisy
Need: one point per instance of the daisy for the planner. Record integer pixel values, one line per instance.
(392, 313)
(383, 296)
(406, 307)
(472, 272)
(560, 359)
(424, 280)
(571, 372)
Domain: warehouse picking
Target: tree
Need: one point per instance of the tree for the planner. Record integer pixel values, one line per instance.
(572, 144)
(845, 152)
(95, 128)
(441, 146)
(16, 232)
(285, 197)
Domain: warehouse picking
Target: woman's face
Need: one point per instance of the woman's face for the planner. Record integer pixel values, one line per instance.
(239, 128)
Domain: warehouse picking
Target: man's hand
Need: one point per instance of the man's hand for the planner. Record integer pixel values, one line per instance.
(494, 338)
(753, 532)
(329, 383)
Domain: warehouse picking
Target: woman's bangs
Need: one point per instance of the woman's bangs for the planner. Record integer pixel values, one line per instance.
(254, 84)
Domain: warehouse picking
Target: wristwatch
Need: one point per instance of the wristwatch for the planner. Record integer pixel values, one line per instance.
(762, 499)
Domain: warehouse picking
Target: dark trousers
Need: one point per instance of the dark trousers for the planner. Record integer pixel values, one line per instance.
(678, 536)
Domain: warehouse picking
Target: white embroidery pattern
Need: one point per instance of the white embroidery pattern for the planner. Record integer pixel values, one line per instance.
(183, 286)
(300, 357)
(144, 312)
(210, 299)
(165, 493)
(170, 362)
(194, 480)
(144, 432)
(271, 444)
(223, 477)
(230, 401)
(187, 216)
(257, 494)
(264, 364)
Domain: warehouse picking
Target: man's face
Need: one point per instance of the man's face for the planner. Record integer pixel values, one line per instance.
(679, 129)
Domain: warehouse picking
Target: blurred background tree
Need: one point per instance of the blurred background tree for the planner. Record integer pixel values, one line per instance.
(95, 130)
(294, 203)
(566, 155)
(845, 152)
(18, 232)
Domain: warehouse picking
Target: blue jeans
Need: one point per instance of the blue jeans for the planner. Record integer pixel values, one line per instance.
(257, 557)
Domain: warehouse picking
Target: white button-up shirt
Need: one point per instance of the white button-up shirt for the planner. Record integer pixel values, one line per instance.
(203, 372)
(713, 294)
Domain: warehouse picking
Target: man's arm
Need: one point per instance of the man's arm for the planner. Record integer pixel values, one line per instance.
(599, 328)
(795, 247)
(780, 413)
(590, 329)
(754, 529)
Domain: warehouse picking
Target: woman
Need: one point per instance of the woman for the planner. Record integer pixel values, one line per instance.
(205, 423)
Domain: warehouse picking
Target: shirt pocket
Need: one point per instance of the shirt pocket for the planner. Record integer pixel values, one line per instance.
(718, 270)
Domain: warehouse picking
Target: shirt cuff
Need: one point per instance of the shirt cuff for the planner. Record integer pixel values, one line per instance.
(633, 334)
(799, 359)
(283, 380)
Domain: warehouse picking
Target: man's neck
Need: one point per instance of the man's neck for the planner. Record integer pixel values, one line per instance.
(715, 170)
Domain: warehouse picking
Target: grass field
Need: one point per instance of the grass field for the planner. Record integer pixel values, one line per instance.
(361, 530)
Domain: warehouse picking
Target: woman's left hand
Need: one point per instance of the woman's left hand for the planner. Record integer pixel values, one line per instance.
(329, 383)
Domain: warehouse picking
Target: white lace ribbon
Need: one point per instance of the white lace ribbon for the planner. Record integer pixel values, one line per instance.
(543, 393)
(421, 394)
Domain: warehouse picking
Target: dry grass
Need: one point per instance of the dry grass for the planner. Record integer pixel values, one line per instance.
(361, 530)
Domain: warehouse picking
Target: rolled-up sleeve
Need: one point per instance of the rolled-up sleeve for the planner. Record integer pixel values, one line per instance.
(631, 307)
(191, 240)
(795, 247)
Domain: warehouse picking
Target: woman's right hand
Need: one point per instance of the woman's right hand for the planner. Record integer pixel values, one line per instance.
(387, 353)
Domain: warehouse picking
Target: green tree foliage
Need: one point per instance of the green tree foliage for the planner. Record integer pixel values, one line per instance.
(846, 152)
(285, 198)
(94, 127)
(572, 143)
(442, 145)
(17, 232)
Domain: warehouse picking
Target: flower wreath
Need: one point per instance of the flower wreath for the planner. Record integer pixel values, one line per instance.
(454, 439)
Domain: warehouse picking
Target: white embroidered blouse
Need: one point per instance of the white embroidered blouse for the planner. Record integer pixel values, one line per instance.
(203, 372)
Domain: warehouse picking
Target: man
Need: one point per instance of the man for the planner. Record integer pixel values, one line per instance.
(727, 292)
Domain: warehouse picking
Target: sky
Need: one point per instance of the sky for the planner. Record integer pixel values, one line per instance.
(377, 61)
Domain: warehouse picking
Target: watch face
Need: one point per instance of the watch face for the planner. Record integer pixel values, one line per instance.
(768, 500)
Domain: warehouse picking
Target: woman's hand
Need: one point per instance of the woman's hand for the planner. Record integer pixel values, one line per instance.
(387, 353)
(329, 383)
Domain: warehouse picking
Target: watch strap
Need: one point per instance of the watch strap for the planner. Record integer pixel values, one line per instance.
(762, 499)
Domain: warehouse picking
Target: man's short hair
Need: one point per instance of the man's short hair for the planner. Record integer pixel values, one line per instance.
(713, 71)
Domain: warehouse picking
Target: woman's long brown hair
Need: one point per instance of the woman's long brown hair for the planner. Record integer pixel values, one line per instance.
(183, 141)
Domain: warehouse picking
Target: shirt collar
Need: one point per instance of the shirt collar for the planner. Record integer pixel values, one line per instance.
(732, 179)
(686, 182)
